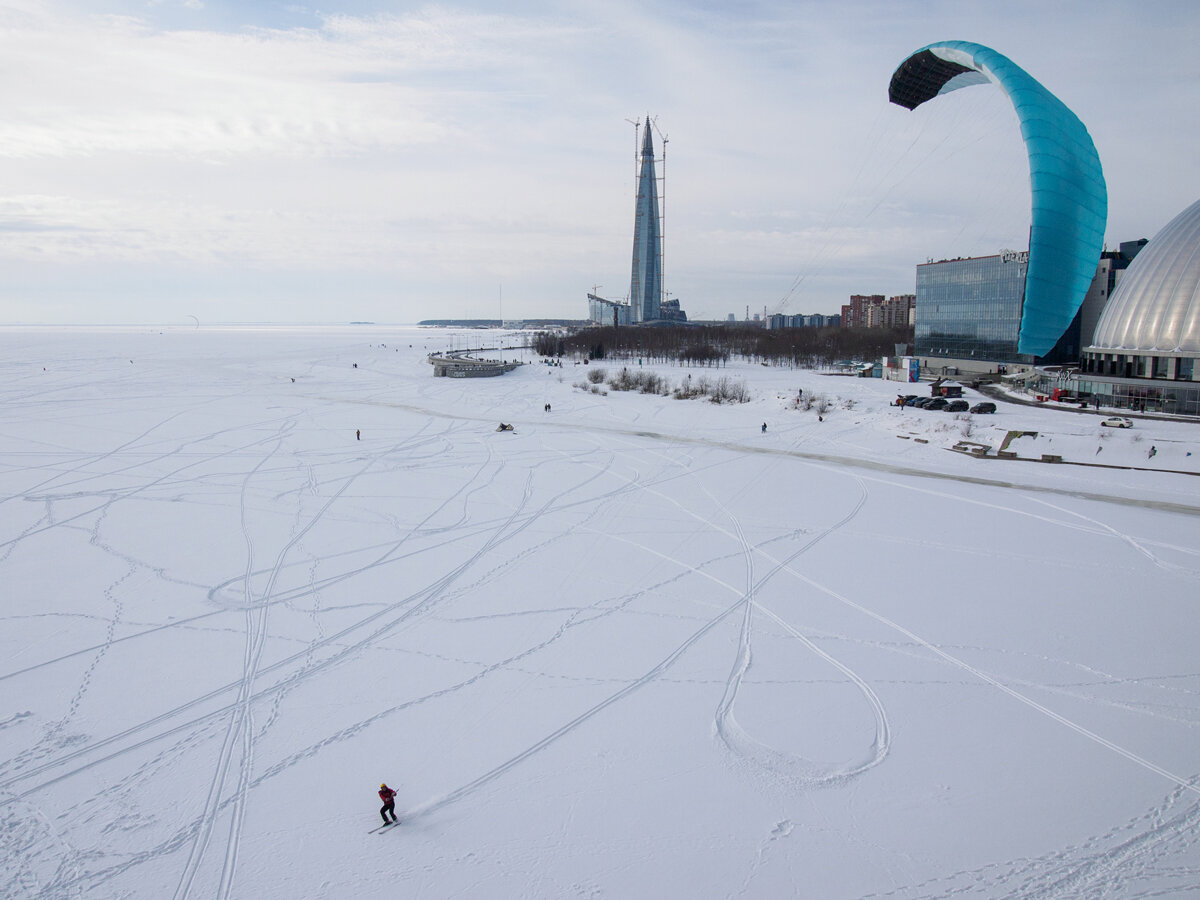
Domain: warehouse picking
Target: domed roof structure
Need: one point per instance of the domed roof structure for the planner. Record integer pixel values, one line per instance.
(1156, 306)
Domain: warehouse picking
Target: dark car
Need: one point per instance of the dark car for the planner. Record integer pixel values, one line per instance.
(957, 406)
(920, 402)
(987, 406)
(937, 403)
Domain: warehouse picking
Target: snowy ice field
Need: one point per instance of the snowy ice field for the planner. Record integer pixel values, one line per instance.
(634, 648)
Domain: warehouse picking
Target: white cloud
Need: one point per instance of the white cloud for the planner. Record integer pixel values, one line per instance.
(439, 151)
(113, 85)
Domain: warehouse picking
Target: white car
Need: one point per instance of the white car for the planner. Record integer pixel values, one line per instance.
(1117, 422)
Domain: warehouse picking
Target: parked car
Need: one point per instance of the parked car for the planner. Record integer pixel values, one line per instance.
(987, 406)
(1117, 422)
(937, 403)
(957, 406)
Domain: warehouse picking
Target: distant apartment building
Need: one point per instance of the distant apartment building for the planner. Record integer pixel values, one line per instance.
(817, 320)
(874, 311)
(900, 311)
(856, 312)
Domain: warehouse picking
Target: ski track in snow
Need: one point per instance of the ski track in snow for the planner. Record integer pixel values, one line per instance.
(240, 728)
(731, 733)
(782, 764)
(1105, 864)
(331, 640)
(1137, 545)
(200, 831)
(228, 723)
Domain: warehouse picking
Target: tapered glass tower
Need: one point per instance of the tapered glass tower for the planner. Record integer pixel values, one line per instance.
(645, 290)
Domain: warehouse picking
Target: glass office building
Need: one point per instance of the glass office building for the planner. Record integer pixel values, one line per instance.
(970, 309)
(645, 289)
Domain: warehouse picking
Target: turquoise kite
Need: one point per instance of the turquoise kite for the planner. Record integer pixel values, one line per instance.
(1070, 200)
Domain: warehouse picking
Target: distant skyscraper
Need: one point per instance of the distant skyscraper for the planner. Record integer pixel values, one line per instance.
(645, 291)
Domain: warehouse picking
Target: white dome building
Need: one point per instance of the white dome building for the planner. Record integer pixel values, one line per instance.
(1147, 340)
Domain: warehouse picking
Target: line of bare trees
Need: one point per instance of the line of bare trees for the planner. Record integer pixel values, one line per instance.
(646, 381)
(714, 345)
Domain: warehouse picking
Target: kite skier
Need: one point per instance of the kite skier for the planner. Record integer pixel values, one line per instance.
(388, 796)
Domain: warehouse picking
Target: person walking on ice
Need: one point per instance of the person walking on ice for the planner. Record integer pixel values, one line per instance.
(388, 796)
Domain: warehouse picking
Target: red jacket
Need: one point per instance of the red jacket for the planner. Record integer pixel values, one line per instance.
(386, 795)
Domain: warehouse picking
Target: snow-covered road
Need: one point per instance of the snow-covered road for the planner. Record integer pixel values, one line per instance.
(636, 647)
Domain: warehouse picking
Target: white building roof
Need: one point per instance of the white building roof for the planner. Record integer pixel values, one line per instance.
(1156, 305)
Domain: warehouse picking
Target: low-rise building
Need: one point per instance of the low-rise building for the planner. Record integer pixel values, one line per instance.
(608, 312)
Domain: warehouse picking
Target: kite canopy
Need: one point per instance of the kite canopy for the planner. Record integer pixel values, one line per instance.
(1070, 200)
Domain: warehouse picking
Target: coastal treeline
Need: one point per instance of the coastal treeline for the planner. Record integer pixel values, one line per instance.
(714, 345)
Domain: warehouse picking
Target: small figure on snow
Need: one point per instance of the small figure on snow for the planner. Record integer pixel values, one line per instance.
(764, 427)
(1153, 450)
(358, 434)
(388, 796)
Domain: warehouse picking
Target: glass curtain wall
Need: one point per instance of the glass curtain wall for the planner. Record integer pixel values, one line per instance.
(970, 308)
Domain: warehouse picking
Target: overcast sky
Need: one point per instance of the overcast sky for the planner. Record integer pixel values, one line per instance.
(387, 161)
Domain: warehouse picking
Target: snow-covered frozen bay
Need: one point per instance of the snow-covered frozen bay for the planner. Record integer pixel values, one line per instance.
(635, 648)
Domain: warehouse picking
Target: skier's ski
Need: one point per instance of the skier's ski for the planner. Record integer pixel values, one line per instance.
(382, 827)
